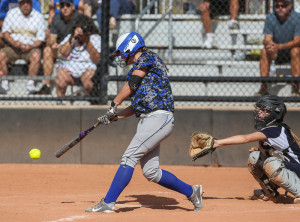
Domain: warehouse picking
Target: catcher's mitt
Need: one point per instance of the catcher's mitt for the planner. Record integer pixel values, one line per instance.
(201, 145)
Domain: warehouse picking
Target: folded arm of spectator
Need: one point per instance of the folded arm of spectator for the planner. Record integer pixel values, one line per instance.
(37, 44)
(270, 45)
(291, 44)
(11, 41)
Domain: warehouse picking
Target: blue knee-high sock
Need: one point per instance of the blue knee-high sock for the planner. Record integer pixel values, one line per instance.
(170, 181)
(120, 181)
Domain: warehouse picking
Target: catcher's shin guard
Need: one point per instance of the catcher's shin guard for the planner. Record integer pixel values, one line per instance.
(255, 166)
(282, 176)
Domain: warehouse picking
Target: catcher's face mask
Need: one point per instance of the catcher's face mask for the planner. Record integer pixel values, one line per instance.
(269, 111)
(261, 117)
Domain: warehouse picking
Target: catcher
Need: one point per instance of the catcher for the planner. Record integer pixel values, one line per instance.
(275, 162)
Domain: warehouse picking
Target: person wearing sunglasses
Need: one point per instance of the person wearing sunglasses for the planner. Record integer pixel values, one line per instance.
(58, 31)
(282, 43)
(55, 7)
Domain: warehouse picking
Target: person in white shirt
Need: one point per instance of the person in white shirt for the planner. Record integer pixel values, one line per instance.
(81, 51)
(24, 31)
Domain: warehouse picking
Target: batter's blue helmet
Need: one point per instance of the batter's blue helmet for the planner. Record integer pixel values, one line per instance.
(128, 43)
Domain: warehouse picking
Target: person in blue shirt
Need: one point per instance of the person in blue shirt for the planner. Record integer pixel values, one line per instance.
(282, 43)
(275, 163)
(152, 102)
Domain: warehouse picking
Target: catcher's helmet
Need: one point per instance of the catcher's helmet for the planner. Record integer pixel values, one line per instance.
(127, 44)
(269, 111)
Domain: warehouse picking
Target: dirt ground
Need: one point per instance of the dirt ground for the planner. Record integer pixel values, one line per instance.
(58, 193)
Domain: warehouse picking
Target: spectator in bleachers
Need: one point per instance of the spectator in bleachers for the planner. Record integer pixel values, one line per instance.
(117, 8)
(55, 8)
(120, 7)
(59, 26)
(6, 5)
(211, 7)
(24, 32)
(81, 52)
(91, 7)
(282, 42)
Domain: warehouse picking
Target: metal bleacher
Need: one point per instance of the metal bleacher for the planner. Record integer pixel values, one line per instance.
(227, 59)
(225, 73)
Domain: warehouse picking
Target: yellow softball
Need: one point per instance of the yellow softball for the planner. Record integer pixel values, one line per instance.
(35, 154)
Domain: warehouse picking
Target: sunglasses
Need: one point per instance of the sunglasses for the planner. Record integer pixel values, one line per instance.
(281, 5)
(25, 1)
(62, 5)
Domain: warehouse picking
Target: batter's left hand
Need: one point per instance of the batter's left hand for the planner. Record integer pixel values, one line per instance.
(110, 116)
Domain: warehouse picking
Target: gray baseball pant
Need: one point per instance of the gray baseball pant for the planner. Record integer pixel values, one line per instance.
(152, 128)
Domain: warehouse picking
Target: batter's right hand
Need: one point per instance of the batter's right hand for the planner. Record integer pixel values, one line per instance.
(107, 119)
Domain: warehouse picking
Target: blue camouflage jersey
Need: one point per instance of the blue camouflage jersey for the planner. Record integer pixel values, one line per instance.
(280, 138)
(154, 92)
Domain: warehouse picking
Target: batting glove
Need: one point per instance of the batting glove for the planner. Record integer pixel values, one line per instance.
(110, 116)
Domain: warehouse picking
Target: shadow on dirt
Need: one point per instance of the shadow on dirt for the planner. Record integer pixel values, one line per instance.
(151, 201)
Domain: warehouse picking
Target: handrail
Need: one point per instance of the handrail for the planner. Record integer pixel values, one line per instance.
(170, 31)
(159, 20)
(142, 13)
(218, 79)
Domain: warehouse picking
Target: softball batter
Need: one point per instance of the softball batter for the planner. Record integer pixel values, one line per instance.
(152, 102)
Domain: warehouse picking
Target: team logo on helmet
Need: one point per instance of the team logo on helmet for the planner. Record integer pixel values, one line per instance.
(126, 46)
(131, 44)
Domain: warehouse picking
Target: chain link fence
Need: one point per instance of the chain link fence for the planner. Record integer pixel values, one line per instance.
(212, 49)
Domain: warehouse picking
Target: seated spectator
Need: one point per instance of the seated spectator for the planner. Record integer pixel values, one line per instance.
(282, 42)
(91, 7)
(120, 7)
(117, 8)
(81, 52)
(208, 7)
(6, 5)
(55, 8)
(59, 26)
(24, 32)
